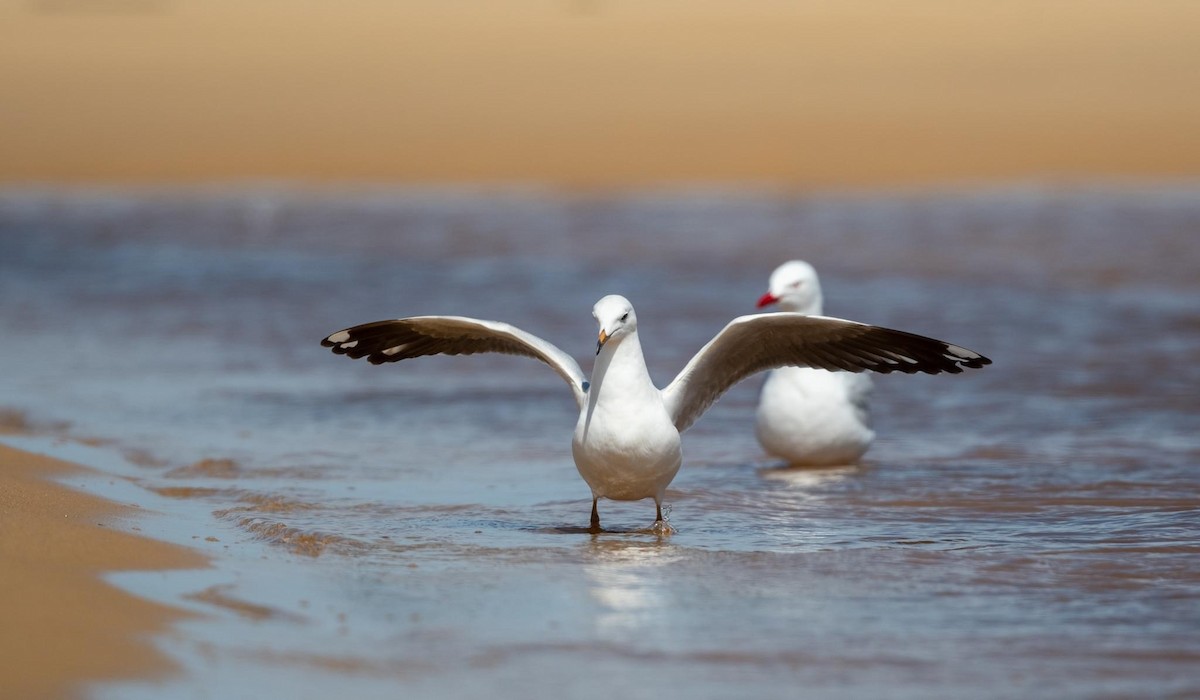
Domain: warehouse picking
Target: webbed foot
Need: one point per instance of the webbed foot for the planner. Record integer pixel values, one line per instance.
(662, 528)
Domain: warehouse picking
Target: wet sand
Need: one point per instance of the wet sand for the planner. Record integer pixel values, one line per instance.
(63, 625)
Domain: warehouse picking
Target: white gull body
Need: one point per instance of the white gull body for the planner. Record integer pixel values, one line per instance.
(626, 443)
(626, 446)
(810, 417)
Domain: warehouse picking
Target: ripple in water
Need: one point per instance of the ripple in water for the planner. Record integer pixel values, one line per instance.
(1030, 527)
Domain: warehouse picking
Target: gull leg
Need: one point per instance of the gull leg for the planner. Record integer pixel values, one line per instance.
(595, 516)
(660, 526)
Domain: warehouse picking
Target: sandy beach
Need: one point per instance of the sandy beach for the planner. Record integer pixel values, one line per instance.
(64, 626)
(598, 92)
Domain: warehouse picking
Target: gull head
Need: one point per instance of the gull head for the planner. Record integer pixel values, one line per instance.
(794, 287)
(616, 319)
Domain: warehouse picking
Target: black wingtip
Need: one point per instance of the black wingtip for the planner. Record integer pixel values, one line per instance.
(961, 357)
(977, 362)
(339, 345)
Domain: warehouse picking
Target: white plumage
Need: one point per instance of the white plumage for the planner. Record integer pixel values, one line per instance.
(810, 417)
(626, 443)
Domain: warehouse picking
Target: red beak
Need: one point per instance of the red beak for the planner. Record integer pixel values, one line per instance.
(766, 300)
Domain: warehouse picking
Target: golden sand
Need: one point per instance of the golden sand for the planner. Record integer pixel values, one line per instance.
(64, 626)
(599, 92)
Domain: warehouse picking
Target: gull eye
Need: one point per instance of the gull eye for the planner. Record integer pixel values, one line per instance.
(625, 317)
(795, 285)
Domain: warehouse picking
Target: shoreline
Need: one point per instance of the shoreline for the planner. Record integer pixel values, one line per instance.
(282, 190)
(65, 626)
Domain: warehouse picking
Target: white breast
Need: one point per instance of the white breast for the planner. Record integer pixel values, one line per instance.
(814, 417)
(625, 444)
(627, 451)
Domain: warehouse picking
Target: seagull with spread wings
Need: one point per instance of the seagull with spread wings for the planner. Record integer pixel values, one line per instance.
(626, 443)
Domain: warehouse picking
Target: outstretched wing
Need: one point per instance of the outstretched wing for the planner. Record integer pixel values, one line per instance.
(404, 338)
(751, 344)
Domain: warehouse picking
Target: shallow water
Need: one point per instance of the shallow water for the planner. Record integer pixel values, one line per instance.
(1030, 529)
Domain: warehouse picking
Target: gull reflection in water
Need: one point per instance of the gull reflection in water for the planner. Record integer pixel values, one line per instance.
(625, 580)
(806, 479)
(796, 495)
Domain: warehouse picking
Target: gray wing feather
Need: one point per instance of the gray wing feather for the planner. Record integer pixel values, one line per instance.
(751, 344)
(405, 338)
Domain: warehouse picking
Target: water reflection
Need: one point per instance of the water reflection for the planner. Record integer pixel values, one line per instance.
(803, 480)
(625, 578)
(1052, 497)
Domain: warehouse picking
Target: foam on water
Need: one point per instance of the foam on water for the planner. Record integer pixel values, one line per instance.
(1029, 528)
